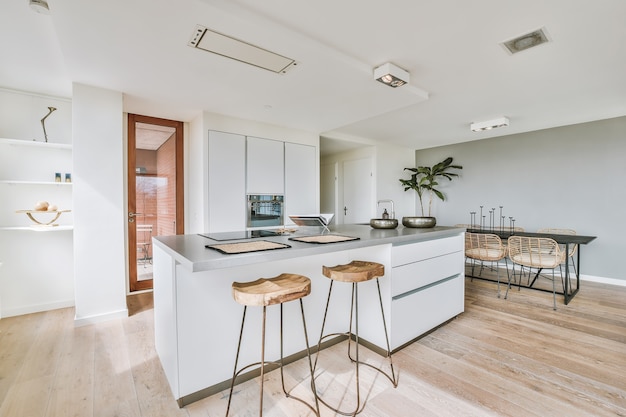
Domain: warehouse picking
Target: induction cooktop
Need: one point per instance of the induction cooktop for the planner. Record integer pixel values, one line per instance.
(243, 234)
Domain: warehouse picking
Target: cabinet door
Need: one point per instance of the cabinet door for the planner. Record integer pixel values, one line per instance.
(300, 180)
(227, 182)
(265, 166)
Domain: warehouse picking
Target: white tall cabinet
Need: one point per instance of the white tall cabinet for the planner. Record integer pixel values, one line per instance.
(227, 182)
(239, 165)
(265, 166)
(37, 272)
(300, 180)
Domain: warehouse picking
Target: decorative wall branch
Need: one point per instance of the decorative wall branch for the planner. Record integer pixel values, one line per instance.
(43, 123)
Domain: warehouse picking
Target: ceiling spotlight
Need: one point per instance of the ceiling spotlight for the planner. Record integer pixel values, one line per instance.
(526, 41)
(490, 124)
(391, 75)
(40, 6)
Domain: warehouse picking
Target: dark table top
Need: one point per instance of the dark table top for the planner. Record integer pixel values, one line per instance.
(564, 239)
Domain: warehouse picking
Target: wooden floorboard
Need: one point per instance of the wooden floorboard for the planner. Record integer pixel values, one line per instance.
(513, 357)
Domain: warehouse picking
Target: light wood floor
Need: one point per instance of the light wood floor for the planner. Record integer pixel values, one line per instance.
(513, 357)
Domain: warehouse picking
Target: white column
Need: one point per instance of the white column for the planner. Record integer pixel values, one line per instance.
(98, 206)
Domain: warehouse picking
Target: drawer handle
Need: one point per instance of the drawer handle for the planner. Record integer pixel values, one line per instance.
(425, 287)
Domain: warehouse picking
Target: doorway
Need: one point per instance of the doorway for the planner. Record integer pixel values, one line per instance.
(357, 191)
(155, 191)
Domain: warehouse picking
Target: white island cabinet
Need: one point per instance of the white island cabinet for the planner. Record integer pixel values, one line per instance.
(426, 289)
(197, 322)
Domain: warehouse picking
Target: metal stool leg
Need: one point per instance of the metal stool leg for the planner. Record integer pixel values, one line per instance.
(315, 409)
(232, 382)
(262, 363)
(263, 360)
(281, 362)
(391, 378)
(354, 318)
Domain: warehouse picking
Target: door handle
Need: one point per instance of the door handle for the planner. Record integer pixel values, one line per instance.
(131, 216)
(345, 210)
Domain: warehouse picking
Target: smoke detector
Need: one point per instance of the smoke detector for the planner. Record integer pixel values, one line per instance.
(526, 41)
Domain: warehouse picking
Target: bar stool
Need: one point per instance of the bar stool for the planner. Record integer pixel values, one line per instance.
(264, 292)
(355, 272)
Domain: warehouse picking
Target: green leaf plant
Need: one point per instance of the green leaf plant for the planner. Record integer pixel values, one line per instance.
(424, 180)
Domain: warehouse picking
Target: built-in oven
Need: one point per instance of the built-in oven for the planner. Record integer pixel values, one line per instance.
(265, 210)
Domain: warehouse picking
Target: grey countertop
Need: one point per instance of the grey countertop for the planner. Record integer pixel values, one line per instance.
(190, 250)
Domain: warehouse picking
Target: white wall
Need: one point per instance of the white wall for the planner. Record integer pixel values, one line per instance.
(196, 170)
(21, 114)
(567, 177)
(388, 161)
(99, 212)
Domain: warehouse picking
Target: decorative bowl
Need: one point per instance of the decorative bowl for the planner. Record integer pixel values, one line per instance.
(384, 223)
(419, 222)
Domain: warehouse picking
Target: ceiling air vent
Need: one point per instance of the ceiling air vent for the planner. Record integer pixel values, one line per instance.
(241, 51)
(523, 42)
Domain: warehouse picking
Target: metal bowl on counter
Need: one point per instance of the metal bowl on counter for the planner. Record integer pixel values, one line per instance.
(384, 223)
(419, 222)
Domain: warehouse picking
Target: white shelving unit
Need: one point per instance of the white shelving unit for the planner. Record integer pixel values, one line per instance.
(27, 175)
(37, 271)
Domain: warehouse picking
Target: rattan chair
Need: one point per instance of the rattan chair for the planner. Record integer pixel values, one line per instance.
(572, 249)
(468, 226)
(485, 247)
(535, 253)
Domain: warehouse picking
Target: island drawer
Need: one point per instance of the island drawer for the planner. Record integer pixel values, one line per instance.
(419, 274)
(413, 252)
(416, 313)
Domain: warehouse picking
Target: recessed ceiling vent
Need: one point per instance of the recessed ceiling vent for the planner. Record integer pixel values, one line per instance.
(529, 40)
(241, 51)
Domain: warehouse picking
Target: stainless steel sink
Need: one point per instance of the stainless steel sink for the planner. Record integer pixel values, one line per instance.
(384, 223)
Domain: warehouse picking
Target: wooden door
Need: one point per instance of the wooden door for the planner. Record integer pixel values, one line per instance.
(155, 190)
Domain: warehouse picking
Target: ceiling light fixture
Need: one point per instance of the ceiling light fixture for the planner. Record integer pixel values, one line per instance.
(391, 75)
(490, 124)
(526, 41)
(40, 6)
(229, 47)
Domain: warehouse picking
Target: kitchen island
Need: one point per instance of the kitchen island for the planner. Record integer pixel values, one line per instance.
(197, 322)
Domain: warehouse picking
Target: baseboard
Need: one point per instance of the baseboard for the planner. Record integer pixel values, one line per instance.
(36, 308)
(84, 321)
(589, 278)
(603, 280)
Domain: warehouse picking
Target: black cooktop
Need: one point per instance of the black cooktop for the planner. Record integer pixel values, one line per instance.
(244, 234)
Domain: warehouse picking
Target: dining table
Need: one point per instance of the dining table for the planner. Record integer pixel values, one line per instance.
(564, 239)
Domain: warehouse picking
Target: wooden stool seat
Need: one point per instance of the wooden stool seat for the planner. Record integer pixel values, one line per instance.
(355, 271)
(270, 291)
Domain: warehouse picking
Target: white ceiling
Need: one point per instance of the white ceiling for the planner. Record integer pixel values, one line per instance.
(459, 71)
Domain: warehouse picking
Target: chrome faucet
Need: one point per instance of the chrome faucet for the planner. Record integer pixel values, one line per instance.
(392, 215)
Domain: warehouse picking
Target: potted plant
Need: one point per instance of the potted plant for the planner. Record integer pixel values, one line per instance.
(424, 181)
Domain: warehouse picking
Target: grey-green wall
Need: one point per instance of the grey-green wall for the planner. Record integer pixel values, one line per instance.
(568, 177)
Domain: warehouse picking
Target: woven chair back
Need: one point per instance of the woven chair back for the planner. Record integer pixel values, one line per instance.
(572, 249)
(535, 252)
(484, 247)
